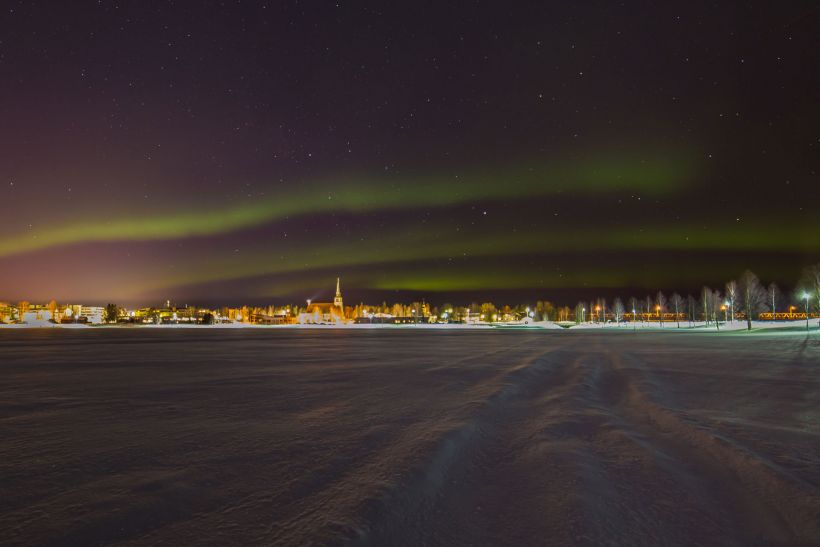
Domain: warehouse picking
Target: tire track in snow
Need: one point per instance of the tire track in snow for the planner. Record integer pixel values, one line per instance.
(403, 515)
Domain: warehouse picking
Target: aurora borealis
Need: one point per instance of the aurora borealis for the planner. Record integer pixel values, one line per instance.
(254, 151)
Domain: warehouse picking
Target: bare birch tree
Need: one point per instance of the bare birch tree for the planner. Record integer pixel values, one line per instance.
(773, 295)
(731, 297)
(752, 295)
(660, 307)
(618, 310)
(810, 283)
(677, 303)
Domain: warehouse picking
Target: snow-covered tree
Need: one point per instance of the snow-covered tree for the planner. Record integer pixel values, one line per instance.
(711, 305)
(618, 310)
(660, 307)
(676, 301)
(752, 296)
(731, 297)
(810, 284)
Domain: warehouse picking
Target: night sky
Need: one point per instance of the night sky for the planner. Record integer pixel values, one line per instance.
(251, 152)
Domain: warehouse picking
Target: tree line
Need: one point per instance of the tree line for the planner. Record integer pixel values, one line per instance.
(745, 297)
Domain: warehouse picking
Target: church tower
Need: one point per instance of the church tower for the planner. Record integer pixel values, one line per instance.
(337, 300)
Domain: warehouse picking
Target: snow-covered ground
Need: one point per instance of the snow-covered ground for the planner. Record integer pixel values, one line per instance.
(408, 437)
(701, 326)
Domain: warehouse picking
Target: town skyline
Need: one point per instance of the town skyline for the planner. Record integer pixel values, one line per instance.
(746, 297)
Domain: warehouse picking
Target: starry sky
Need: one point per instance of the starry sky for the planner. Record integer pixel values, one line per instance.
(240, 151)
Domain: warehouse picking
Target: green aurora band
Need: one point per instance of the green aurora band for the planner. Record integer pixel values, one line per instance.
(402, 247)
(648, 177)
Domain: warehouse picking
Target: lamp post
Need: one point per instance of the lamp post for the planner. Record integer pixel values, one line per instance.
(806, 296)
(726, 313)
(583, 315)
(634, 319)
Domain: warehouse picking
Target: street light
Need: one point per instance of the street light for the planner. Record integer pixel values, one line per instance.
(634, 320)
(583, 315)
(806, 296)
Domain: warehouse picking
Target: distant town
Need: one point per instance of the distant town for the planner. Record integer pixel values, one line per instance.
(743, 300)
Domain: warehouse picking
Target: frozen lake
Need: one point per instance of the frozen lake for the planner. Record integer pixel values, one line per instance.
(407, 437)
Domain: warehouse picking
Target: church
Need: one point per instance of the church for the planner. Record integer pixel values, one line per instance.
(325, 312)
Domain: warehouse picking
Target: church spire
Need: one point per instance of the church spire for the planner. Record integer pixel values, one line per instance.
(337, 301)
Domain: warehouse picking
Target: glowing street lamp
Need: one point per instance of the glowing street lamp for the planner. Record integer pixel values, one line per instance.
(634, 320)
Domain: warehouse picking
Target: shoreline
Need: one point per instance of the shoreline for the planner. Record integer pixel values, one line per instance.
(737, 326)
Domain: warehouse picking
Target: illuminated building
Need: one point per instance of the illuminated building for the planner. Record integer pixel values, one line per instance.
(325, 312)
